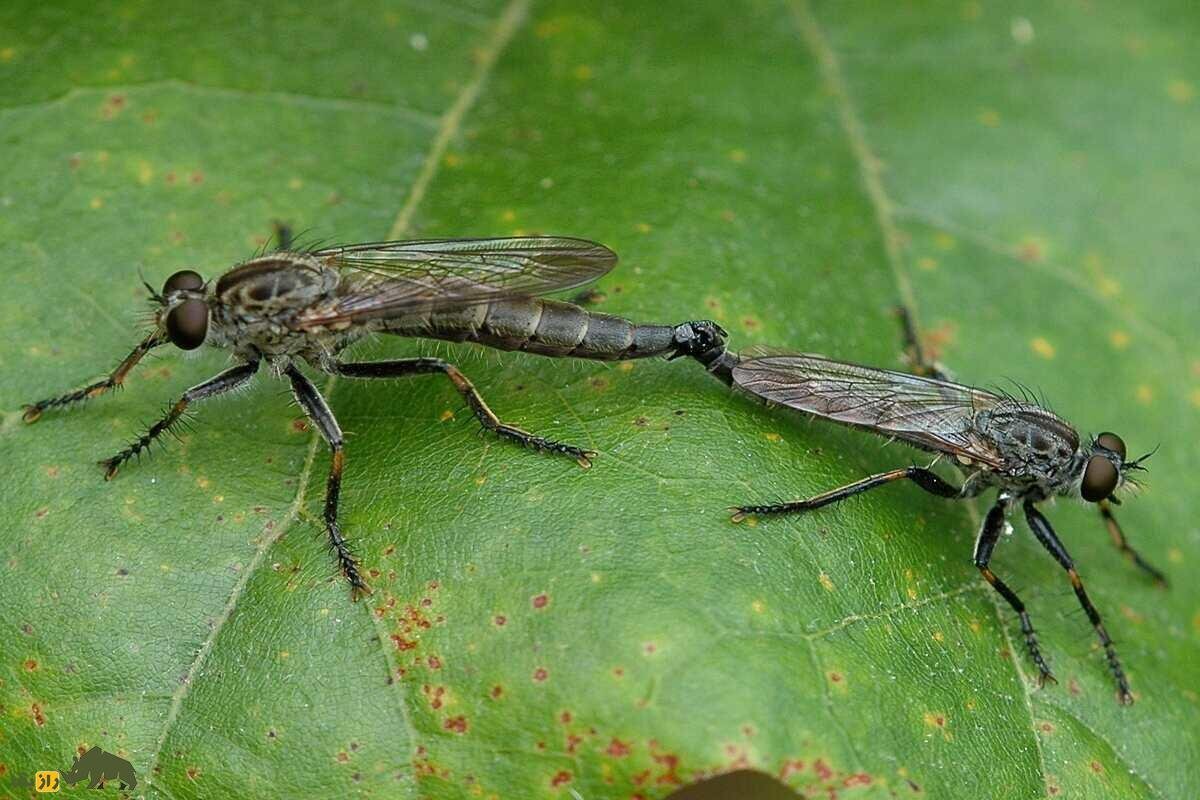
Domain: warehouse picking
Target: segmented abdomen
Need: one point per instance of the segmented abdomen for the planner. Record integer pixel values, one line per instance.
(545, 327)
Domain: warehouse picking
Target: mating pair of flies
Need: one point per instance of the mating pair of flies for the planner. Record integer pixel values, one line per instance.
(298, 306)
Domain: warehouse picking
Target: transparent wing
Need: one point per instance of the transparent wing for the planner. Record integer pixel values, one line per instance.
(932, 414)
(390, 278)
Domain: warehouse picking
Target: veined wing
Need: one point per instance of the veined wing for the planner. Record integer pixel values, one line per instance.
(936, 415)
(390, 278)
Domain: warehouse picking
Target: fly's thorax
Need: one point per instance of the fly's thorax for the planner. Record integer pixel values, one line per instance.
(254, 305)
(274, 285)
(1036, 445)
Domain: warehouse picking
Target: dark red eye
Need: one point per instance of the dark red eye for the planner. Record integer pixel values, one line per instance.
(187, 324)
(1110, 441)
(184, 280)
(1099, 479)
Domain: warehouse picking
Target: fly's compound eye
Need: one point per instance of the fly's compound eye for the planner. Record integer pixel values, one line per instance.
(1099, 479)
(1110, 441)
(187, 324)
(184, 280)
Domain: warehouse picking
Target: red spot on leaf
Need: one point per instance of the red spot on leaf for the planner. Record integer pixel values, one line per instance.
(497, 692)
(618, 749)
(540, 674)
(560, 778)
(564, 717)
(500, 620)
(823, 770)
(434, 694)
(193, 773)
(402, 643)
(434, 662)
(457, 724)
(573, 743)
(30, 665)
(790, 767)
(540, 600)
(39, 718)
(857, 779)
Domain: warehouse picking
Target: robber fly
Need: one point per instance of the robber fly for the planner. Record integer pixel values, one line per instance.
(1015, 445)
(295, 306)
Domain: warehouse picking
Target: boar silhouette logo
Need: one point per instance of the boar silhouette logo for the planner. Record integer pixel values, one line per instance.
(98, 766)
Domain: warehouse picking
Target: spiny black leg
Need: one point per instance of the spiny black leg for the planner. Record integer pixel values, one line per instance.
(219, 384)
(1045, 534)
(989, 533)
(927, 480)
(921, 363)
(113, 381)
(423, 366)
(1118, 537)
(318, 411)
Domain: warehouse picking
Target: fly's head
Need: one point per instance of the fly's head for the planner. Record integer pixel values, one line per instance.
(182, 310)
(1107, 468)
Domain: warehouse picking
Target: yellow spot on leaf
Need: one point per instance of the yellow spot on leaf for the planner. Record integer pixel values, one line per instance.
(452, 160)
(1145, 395)
(928, 264)
(582, 73)
(988, 117)
(295, 183)
(642, 227)
(548, 28)
(1175, 555)
(145, 172)
(1119, 340)
(1042, 347)
(759, 606)
(1195, 397)
(911, 592)
(772, 437)
(944, 241)
(218, 498)
(8, 53)
(202, 482)
(972, 10)
(446, 416)
(284, 655)
(626, 366)
(1032, 248)
(825, 581)
(508, 215)
(97, 202)
(1181, 91)
(938, 636)
(737, 155)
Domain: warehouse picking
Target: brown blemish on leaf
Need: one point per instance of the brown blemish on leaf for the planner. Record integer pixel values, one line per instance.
(435, 695)
(641, 422)
(751, 323)
(193, 773)
(540, 674)
(790, 767)
(1074, 688)
(598, 383)
(272, 734)
(668, 763)
(456, 724)
(52, 472)
(402, 643)
(618, 749)
(649, 648)
(618, 672)
(300, 425)
(30, 665)
(497, 692)
(39, 718)
(1096, 766)
(540, 601)
(500, 621)
(26, 629)
(856, 779)
(196, 178)
(342, 757)
(565, 717)
(572, 743)
(434, 662)
(822, 770)
(560, 778)
(1046, 727)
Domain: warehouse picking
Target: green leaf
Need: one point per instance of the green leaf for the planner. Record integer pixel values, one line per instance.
(1021, 176)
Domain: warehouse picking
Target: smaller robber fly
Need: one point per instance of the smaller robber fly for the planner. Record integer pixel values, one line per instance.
(294, 306)
(1015, 445)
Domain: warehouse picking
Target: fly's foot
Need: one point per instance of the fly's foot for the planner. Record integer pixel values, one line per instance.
(581, 456)
(32, 413)
(741, 512)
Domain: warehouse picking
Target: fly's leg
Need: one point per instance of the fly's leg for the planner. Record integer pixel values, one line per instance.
(1045, 534)
(226, 381)
(283, 236)
(114, 380)
(318, 411)
(926, 479)
(989, 534)
(918, 358)
(424, 366)
(1118, 537)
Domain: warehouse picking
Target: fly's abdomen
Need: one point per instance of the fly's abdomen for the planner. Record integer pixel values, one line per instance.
(545, 327)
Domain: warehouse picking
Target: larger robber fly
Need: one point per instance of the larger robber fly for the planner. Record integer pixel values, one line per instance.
(1014, 445)
(293, 306)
